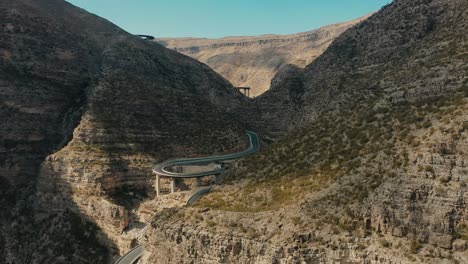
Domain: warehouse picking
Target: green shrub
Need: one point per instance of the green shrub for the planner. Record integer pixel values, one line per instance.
(429, 169)
(296, 220)
(210, 223)
(384, 243)
(415, 246)
(444, 179)
(462, 232)
(427, 124)
(465, 90)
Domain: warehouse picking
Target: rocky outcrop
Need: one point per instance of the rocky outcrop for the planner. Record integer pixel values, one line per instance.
(394, 204)
(373, 168)
(253, 61)
(408, 51)
(86, 109)
(183, 244)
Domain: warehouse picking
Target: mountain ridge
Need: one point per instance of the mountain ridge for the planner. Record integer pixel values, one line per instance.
(369, 158)
(252, 61)
(88, 109)
(366, 162)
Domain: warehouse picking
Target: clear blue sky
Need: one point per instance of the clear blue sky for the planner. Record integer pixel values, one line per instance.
(218, 18)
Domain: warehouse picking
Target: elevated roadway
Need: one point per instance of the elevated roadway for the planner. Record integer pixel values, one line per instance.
(132, 256)
(161, 169)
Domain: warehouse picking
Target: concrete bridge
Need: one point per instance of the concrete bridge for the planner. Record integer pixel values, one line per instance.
(244, 90)
(161, 169)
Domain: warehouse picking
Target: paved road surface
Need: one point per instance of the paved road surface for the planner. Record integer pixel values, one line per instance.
(198, 194)
(132, 256)
(161, 170)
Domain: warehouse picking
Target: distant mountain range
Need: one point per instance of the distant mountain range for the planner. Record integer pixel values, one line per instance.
(253, 61)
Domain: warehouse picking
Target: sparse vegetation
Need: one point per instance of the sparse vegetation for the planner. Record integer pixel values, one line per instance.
(384, 243)
(462, 232)
(414, 246)
(429, 169)
(465, 89)
(334, 146)
(380, 159)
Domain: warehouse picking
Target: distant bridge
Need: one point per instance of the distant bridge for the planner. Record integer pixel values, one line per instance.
(244, 90)
(146, 37)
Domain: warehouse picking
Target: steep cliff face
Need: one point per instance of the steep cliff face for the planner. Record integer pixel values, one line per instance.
(86, 109)
(253, 61)
(374, 168)
(372, 185)
(408, 51)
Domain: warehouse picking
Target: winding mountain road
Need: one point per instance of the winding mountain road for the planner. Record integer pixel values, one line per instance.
(198, 194)
(133, 255)
(161, 168)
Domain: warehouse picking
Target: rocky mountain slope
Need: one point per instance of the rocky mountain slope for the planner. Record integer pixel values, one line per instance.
(254, 61)
(369, 163)
(388, 56)
(86, 109)
(373, 168)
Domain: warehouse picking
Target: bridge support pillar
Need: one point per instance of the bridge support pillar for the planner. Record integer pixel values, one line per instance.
(198, 181)
(158, 183)
(173, 180)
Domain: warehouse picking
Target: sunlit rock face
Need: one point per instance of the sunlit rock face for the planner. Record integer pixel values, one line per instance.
(86, 109)
(370, 162)
(395, 56)
(371, 168)
(254, 61)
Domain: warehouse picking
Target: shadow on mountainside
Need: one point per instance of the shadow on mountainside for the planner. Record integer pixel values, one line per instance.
(38, 230)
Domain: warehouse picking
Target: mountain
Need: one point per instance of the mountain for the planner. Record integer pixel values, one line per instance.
(86, 110)
(370, 160)
(365, 158)
(387, 58)
(253, 61)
